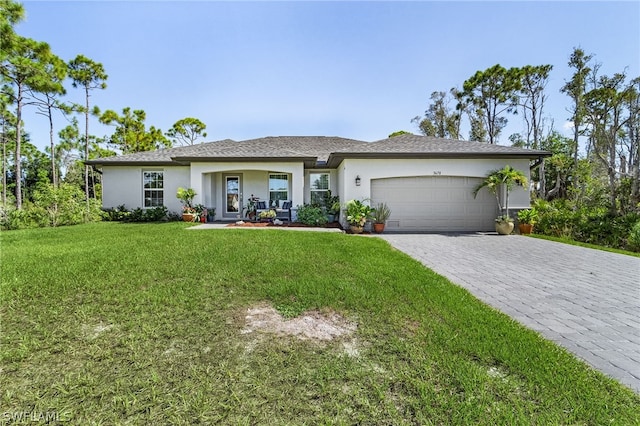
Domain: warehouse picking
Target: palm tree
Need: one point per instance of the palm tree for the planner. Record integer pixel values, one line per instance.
(506, 177)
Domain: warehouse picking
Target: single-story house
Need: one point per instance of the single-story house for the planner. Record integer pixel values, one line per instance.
(427, 182)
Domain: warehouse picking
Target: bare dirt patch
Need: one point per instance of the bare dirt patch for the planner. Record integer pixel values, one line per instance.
(312, 325)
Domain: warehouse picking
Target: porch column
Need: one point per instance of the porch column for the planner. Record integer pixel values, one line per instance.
(196, 183)
(297, 185)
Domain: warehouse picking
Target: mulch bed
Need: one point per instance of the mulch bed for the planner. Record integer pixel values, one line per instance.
(284, 225)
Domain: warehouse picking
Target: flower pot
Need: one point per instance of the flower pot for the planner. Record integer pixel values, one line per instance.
(203, 219)
(356, 229)
(378, 228)
(504, 228)
(187, 217)
(525, 228)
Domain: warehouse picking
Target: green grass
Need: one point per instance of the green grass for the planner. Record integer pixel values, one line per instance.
(566, 240)
(141, 324)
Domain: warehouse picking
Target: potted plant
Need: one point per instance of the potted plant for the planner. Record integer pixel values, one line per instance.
(201, 213)
(186, 195)
(267, 215)
(507, 178)
(357, 214)
(526, 219)
(380, 215)
(331, 206)
(211, 214)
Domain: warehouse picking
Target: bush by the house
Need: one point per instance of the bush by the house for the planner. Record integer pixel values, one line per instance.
(155, 214)
(116, 214)
(311, 215)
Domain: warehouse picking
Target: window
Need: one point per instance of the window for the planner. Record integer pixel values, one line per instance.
(153, 183)
(319, 187)
(278, 188)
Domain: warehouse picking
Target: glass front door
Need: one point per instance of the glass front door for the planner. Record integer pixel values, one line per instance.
(233, 196)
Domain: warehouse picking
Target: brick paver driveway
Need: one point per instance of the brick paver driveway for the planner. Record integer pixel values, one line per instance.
(583, 299)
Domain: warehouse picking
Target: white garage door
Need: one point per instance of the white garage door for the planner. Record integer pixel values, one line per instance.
(435, 204)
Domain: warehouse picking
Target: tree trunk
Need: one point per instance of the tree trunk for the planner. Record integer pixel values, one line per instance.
(612, 175)
(54, 175)
(18, 153)
(86, 148)
(4, 163)
(543, 180)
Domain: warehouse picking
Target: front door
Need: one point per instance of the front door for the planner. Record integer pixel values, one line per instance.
(232, 196)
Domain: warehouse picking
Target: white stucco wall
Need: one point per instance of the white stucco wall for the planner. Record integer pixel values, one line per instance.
(369, 169)
(123, 185)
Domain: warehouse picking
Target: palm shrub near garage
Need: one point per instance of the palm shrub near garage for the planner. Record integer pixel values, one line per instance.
(507, 178)
(380, 215)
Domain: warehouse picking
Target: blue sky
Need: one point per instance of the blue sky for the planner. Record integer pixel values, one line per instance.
(354, 69)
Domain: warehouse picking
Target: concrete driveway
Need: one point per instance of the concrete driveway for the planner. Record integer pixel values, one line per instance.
(583, 299)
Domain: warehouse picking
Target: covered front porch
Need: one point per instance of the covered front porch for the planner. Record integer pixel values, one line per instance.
(228, 188)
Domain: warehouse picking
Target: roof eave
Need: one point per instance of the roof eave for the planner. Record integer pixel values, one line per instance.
(134, 163)
(336, 158)
(244, 159)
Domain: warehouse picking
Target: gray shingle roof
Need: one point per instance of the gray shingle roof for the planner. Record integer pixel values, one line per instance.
(314, 150)
(427, 144)
(306, 148)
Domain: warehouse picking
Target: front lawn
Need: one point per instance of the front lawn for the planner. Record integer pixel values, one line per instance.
(114, 323)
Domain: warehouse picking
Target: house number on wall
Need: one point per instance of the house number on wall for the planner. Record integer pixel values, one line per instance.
(437, 172)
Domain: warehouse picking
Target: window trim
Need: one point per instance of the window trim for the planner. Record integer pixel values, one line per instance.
(269, 191)
(321, 191)
(161, 190)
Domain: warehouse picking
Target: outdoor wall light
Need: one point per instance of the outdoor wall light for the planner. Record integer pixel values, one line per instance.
(358, 180)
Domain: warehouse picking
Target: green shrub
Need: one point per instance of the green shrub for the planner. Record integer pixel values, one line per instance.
(555, 218)
(24, 218)
(594, 225)
(64, 205)
(155, 214)
(311, 215)
(633, 242)
(116, 214)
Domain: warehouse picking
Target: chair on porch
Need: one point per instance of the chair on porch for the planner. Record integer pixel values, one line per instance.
(284, 212)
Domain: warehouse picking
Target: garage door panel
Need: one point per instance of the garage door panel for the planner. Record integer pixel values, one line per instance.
(435, 204)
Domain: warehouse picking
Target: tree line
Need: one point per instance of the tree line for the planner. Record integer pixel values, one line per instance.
(605, 113)
(33, 76)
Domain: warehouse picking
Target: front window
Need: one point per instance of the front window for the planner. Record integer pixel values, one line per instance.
(278, 188)
(153, 183)
(319, 187)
